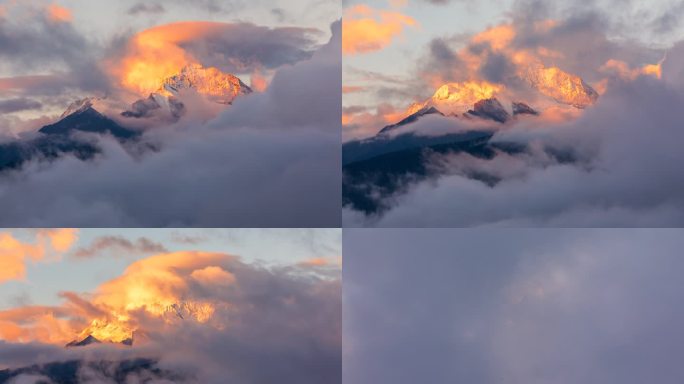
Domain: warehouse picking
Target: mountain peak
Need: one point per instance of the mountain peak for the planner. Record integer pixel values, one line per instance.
(90, 339)
(490, 109)
(78, 106)
(561, 86)
(457, 98)
(218, 86)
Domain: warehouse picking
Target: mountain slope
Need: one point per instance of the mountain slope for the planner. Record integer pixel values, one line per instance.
(57, 139)
(87, 119)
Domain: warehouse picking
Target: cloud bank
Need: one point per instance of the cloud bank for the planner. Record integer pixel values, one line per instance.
(524, 306)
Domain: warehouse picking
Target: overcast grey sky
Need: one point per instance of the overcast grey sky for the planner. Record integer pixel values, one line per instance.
(513, 306)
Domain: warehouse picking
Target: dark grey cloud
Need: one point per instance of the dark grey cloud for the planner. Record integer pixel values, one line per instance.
(119, 246)
(44, 44)
(18, 104)
(151, 7)
(279, 14)
(243, 47)
(272, 159)
(524, 306)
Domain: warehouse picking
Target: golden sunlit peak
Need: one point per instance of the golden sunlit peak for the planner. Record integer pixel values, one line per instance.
(114, 331)
(467, 92)
(220, 86)
(459, 97)
(118, 327)
(563, 87)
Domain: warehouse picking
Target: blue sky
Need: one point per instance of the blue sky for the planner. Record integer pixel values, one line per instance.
(44, 280)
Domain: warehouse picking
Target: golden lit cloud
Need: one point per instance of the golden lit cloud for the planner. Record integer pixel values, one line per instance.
(623, 70)
(497, 37)
(15, 254)
(59, 14)
(158, 286)
(157, 53)
(365, 29)
(259, 82)
(213, 275)
(352, 89)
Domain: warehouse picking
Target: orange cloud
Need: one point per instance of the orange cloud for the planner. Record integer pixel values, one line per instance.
(155, 54)
(258, 81)
(47, 324)
(151, 295)
(352, 89)
(365, 29)
(498, 37)
(15, 254)
(623, 70)
(59, 14)
(213, 275)
(321, 262)
(157, 287)
(360, 123)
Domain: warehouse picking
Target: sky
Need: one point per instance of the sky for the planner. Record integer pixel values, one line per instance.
(192, 300)
(389, 44)
(98, 26)
(512, 305)
(94, 264)
(269, 159)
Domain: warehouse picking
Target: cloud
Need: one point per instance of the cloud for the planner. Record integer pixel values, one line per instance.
(239, 48)
(15, 254)
(153, 8)
(269, 160)
(209, 317)
(59, 14)
(18, 104)
(526, 305)
(119, 245)
(366, 29)
(184, 238)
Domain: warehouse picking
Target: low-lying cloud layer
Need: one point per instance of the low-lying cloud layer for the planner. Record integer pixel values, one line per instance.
(522, 306)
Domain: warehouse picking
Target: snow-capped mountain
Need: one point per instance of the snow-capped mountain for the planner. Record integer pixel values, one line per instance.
(110, 330)
(377, 168)
(481, 99)
(220, 87)
(217, 86)
(82, 116)
(563, 87)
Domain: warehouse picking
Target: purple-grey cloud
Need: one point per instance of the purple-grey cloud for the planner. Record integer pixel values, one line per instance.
(525, 306)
